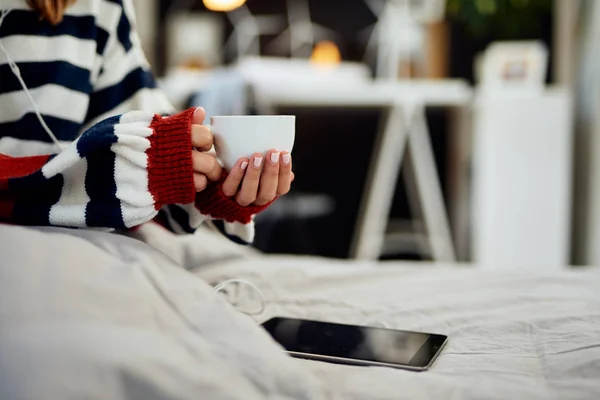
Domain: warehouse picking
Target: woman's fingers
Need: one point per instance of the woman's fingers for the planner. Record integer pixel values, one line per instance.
(260, 179)
(286, 176)
(202, 137)
(200, 182)
(269, 179)
(206, 164)
(249, 190)
(234, 179)
(199, 116)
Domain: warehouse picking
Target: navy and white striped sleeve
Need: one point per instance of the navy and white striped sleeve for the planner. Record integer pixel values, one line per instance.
(125, 81)
(118, 175)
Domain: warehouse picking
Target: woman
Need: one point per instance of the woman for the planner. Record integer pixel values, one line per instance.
(72, 66)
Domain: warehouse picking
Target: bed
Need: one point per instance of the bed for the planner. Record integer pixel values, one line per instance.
(101, 316)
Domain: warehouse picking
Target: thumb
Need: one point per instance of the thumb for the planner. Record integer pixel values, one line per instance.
(199, 116)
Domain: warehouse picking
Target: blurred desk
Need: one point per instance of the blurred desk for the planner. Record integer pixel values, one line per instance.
(404, 125)
(445, 93)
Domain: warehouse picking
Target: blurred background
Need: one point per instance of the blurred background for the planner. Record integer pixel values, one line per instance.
(452, 130)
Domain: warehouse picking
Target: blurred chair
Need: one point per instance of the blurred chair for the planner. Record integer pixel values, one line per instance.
(398, 37)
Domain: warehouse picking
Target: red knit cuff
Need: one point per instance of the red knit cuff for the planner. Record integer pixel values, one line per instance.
(170, 171)
(214, 203)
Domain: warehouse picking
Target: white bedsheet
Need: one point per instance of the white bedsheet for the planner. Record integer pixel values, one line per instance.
(98, 316)
(513, 334)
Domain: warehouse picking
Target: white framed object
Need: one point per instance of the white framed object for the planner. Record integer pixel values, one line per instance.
(514, 65)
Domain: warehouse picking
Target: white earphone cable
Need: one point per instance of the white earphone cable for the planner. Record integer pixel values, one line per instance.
(17, 72)
(221, 288)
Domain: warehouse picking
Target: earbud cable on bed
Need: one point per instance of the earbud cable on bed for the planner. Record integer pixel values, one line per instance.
(221, 287)
(17, 72)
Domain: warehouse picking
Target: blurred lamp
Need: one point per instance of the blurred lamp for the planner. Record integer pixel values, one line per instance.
(326, 53)
(223, 5)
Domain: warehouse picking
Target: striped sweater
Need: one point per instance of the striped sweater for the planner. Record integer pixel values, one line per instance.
(123, 164)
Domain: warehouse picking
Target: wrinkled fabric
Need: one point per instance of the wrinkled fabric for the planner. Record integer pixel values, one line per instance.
(512, 334)
(100, 316)
(92, 315)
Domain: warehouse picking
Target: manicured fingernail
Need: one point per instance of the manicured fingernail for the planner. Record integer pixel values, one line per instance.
(199, 109)
(244, 165)
(275, 158)
(257, 161)
(286, 158)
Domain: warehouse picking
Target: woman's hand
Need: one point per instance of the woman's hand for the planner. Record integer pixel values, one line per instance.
(206, 168)
(256, 180)
(261, 180)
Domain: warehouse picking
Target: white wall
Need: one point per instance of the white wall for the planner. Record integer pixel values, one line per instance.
(146, 15)
(586, 238)
(592, 239)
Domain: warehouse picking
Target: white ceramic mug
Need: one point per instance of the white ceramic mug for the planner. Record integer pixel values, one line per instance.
(241, 136)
